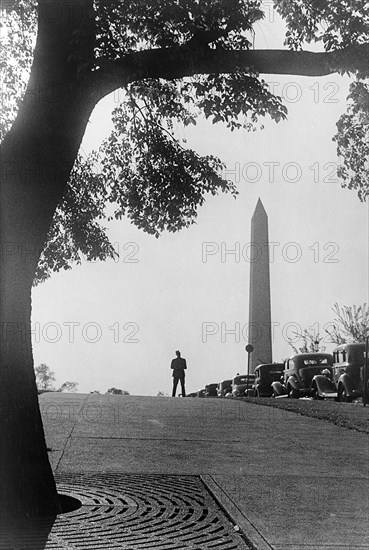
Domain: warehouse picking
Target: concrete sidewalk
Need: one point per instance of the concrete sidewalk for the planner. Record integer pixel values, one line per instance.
(288, 481)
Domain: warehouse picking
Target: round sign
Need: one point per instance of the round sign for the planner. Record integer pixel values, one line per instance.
(249, 348)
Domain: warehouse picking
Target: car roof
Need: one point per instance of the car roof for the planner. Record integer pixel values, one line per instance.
(311, 355)
(251, 375)
(353, 345)
(271, 365)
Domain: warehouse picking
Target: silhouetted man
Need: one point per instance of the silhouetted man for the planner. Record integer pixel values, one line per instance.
(178, 365)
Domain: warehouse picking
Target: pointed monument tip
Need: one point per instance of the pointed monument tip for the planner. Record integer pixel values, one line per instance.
(259, 203)
(259, 208)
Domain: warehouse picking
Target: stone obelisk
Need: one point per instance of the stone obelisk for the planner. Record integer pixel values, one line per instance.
(260, 331)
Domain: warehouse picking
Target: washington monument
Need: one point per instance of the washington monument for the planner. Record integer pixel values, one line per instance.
(260, 333)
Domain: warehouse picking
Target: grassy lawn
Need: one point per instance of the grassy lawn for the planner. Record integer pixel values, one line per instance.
(353, 416)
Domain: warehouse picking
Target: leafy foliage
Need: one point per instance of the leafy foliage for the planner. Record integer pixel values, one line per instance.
(335, 23)
(339, 24)
(18, 33)
(76, 232)
(131, 25)
(153, 180)
(353, 141)
(144, 169)
(227, 98)
(352, 324)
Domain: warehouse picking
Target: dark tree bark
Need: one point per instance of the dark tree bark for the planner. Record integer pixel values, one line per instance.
(37, 156)
(183, 61)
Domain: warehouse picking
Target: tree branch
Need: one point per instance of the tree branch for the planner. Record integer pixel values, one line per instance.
(171, 63)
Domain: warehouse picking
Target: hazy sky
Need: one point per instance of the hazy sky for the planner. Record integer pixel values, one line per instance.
(119, 323)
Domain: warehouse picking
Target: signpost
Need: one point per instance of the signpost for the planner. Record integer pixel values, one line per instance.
(249, 348)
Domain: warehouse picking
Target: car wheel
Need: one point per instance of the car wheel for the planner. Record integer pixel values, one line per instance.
(292, 393)
(315, 393)
(342, 395)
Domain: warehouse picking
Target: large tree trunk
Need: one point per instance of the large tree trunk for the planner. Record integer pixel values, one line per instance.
(36, 159)
(27, 487)
(34, 178)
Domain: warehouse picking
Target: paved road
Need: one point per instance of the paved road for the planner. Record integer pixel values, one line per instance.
(290, 482)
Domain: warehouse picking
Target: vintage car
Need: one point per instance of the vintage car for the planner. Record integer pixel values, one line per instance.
(265, 375)
(211, 390)
(192, 394)
(349, 371)
(201, 393)
(303, 377)
(243, 385)
(224, 387)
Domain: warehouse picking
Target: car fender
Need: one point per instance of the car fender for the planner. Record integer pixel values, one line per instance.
(324, 386)
(279, 388)
(346, 381)
(258, 390)
(292, 381)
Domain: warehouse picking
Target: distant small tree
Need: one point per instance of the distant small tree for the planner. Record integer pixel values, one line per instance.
(116, 391)
(95, 391)
(44, 378)
(310, 342)
(350, 325)
(69, 387)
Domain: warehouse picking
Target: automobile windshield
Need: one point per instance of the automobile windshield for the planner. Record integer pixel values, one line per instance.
(316, 362)
(244, 379)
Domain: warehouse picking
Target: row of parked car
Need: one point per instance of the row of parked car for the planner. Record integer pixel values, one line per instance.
(341, 376)
(238, 386)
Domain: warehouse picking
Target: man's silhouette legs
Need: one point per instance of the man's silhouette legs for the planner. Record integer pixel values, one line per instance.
(175, 384)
